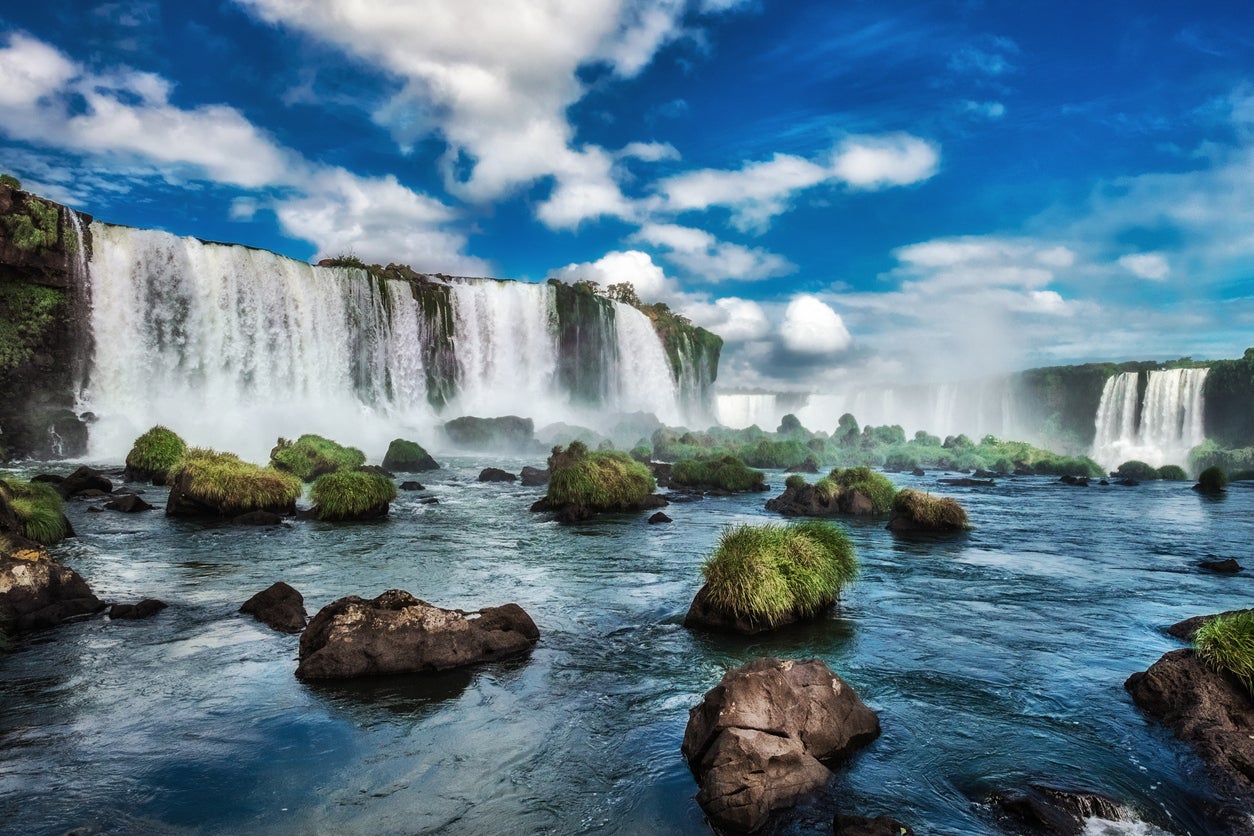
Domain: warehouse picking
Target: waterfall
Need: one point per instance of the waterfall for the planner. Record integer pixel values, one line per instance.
(740, 410)
(233, 347)
(1159, 429)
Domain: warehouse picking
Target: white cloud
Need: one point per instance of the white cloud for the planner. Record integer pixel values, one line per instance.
(811, 327)
(634, 266)
(877, 162)
(650, 152)
(987, 110)
(709, 259)
(1151, 266)
(735, 320)
(31, 70)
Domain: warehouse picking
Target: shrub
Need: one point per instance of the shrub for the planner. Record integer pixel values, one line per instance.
(642, 453)
(728, 473)
(1212, 480)
(769, 574)
(36, 227)
(408, 456)
(875, 486)
(795, 482)
(774, 454)
(10, 181)
(920, 510)
(1172, 473)
(38, 508)
(1226, 644)
(351, 494)
(604, 480)
(156, 451)
(232, 486)
(901, 460)
(1137, 470)
(310, 456)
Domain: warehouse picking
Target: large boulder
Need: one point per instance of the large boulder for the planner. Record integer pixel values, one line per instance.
(845, 825)
(805, 501)
(1048, 811)
(534, 477)
(1210, 711)
(495, 474)
(408, 457)
(397, 633)
(36, 592)
(758, 740)
(83, 480)
(278, 606)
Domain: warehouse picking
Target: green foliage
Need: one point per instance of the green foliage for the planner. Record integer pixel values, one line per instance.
(1212, 480)
(774, 454)
(157, 450)
(604, 480)
(310, 456)
(882, 436)
(1172, 473)
(1228, 393)
(223, 481)
(1226, 644)
(27, 313)
(34, 228)
(344, 260)
(10, 181)
(936, 513)
(642, 453)
(348, 494)
(768, 573)
(39, 510)
(795, 482)
(790, 425)
(1210, 454)
(407, 455)
(874, 486)
(826, 489)
(728, 473)
(847, 434)
(900, 460)
(1137, 470)
(624, 292)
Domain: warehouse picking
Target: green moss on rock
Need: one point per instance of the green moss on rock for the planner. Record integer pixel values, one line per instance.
(919, 511)
(208, 482)
(594, 481)
(311, 456)
(352, 495)
(153, 454)
(408, 457)
(725, 474)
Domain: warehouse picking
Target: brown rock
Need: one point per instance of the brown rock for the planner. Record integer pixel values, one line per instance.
(758, 740)
(278, 606)
(144, 609)
(844, 825)
(1188, 628)
(35, 592)
(534, 477)
(397, 633)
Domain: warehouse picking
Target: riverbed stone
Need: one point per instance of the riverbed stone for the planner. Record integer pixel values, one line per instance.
(146, 608)
(37, 592)
(758, 740)
(83, 480)
(534, 477)
(495, 474)
(1049, 811)
(398, 633)
(278, 606)
(128, 504)
(843, 825)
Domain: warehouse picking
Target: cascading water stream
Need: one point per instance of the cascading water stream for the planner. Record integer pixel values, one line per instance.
(1168, 425)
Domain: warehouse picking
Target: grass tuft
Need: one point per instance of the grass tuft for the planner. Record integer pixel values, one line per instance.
(311, 456)
(1226, 644)
(223, 481)
(769, 574)
(795, 482)
(156, 451)
(934, 513)
(349, 494)
(728, 473)
(1172, 473)
(39, 510)
(874, 486)
(602, 480)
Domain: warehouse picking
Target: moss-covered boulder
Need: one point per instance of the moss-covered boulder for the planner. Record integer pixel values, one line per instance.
(1138, 470)
(725, 475)
(1172, 473)
(311, 456)
(1213, 480)
(765, 576)
(919, 511)
(508, 432)
(153, 454)
(408, 457)
(854, 491)
(206, 483)
(352, 495)
(583, 482)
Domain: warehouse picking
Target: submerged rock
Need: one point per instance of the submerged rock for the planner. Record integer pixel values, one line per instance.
(397, 633)
(658, 517)
(1210, 711)
(412, 486)
(966, 482)
(757, 742)
(495, 474)
(37, 592)
(278, 606)
(1228, 566)
(144, 609)
(1049, 811)
(258, 518)
(844, 825)
(534, 477)
(128, 504)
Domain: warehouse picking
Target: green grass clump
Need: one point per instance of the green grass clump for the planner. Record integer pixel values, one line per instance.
(1212, 480)
(224, 482)
(1137, 470)
(935, 513)
(1226, 643)
(602, 480)
(310, 456)
(1172, 473)
(795, 482)
(769, 574)
(826, 489)
(156, 451)
(642, 453)
(875, 486)
(348, 494)
(38, 508)
(728, 473)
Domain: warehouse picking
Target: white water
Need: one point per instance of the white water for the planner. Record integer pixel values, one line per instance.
(233, 347)
(1170, 420)
(740, 410)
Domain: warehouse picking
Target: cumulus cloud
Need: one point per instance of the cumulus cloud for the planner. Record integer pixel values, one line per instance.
(707, 258)
(735, 320)
(31, 70)
(634, 266)
(811, 327)
(869, 162)
(1151, 266)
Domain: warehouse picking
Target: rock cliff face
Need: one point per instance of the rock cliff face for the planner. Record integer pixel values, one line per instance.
(45, 339)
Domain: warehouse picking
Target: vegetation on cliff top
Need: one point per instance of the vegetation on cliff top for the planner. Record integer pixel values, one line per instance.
(225, 482)
(768, 574)
(35, 225)
(311, 456)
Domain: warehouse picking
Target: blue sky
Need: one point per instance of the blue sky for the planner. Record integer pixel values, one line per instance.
(848, 191)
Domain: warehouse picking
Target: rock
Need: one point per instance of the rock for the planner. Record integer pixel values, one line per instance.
(918, 471)
(144, 609)
(128, 504)
(1188, 628)
(1053, 812)
(1228, 566)
(860, 826)
(408, 457)
(91, 493)
(258, 518)
(534, 477)
(430, 500)
(981, 473)
(412, 486)
(48, 478)
(278, 606)
(35, 592)
(1075, 481)
(967, 483)
(397, 633)
(807, 466)
(757, 741)
(508, 432)
(84, 479)
(805, 501)
(1127, 483)
(659, 517)
(1210, 711)
(495, 474)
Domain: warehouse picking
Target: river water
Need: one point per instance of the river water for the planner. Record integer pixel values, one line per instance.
(994, 659)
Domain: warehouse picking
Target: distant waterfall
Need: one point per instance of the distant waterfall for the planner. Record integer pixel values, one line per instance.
(233, 347)
(1159, 429)
(740, 410)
